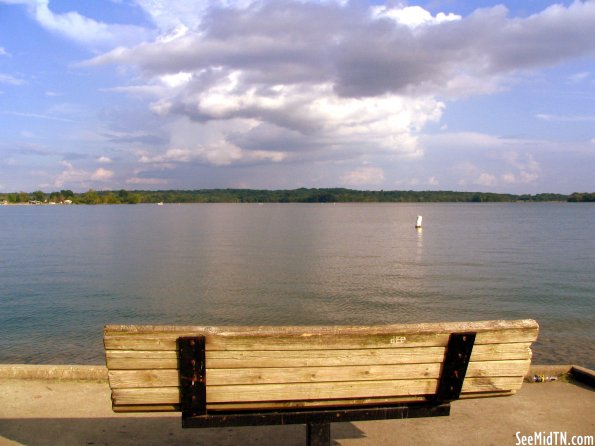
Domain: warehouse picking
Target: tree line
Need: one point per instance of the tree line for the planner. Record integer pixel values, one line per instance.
(578, 197)
(302, 195)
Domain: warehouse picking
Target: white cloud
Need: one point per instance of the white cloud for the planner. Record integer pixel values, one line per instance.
(176, 80)
(560, 118)
(70, 175)
(171, 17)
(243, 83)
(104, 160)
(38, 116)
(364, 176)
(413, 16)
(10, 80)
(486, 179)
(79, 28)
(498, 165)
(269, 82)
(102, 174)
(528, 169)
(146, 181)
(27, 134)
(218, 154)
(469, 173)
(74, 177)
(3, 52)
(579, 77)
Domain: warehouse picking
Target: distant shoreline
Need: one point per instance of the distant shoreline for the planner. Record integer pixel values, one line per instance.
(279, 202)
(302, 195)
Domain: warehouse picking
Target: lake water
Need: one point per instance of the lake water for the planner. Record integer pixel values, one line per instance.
(65, 271)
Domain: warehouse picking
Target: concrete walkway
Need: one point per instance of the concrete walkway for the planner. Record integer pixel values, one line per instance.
(57, 412)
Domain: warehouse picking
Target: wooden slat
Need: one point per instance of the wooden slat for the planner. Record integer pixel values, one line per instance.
(288, 405)
(311, 391)
(146, 408)
(474, 395)
(221, 377)
(322, 358)
(280, 392)
(127, 359)
(167, 341)
(160, 337)
(315, 403)
(492, 384)
(151, 359)
(141, 360)
(501, 352)
(143, 378)
(498, 368)
(444, 327)
(343, 402)
(272, 405)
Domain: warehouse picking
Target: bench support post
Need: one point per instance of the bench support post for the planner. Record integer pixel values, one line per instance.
(454, 367)
(193, 381)
(318, 434)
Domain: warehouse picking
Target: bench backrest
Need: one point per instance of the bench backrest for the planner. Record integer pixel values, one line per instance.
(288, 367)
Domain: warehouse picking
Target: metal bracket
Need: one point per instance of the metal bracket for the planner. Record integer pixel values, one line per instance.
(193, 381)
(317, 416)
(454, 368)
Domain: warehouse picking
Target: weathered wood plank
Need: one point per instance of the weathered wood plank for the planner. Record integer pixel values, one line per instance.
(274, 405)
(146, 408)
(167, 341)
(492, 384)
(223, 377)
(143, 378)
(141, 360)
(311, 391)
(280, 392)
(501, 352)
(164, 359)
(514, 368)
(126, 359)
(288, 405)
(270, 375)
(315, 403)
(446, 327)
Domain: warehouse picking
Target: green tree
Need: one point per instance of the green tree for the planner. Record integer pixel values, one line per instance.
(38, 195)
(90, 197)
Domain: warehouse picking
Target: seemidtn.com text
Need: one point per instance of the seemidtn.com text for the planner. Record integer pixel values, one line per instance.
(553, 439)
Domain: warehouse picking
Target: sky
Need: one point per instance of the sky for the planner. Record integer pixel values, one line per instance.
(422, 95)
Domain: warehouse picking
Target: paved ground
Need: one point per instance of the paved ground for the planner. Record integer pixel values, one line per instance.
(50, 412)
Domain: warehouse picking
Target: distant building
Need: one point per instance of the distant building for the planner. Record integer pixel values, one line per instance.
(67, 201)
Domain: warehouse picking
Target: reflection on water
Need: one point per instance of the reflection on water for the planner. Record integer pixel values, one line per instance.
(420, 244)
(67, 271)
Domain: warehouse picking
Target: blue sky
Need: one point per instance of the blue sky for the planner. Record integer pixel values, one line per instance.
(434, 95)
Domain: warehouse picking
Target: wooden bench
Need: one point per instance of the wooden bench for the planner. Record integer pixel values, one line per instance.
(239, 376)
